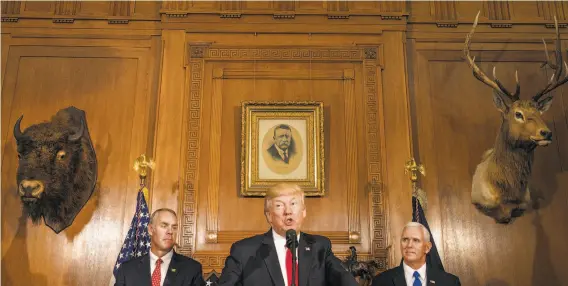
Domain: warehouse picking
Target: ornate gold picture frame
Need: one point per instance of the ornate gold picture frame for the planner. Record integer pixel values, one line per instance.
(282, 142)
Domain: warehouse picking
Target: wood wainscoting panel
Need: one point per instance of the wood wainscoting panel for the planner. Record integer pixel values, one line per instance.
(220, 78)
(113, 86)
(456, 123)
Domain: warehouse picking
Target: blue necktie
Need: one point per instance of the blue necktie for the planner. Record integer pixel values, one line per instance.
(416, 279)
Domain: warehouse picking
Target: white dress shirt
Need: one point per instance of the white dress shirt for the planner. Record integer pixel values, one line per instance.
(166, 259)
(409, 274)
(283, 153)
(280, 244)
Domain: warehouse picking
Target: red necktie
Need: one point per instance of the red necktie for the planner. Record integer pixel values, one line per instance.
(289, 267)
(157, 275)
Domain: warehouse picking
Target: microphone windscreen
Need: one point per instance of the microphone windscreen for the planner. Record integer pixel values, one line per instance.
(291, 233)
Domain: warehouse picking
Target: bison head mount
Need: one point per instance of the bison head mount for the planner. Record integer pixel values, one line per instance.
(57, 168)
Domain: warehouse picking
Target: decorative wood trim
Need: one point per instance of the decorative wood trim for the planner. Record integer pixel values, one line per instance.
(351, 160)
(9, 19)
(337, 16)
(498, 10)
(64, 21)
(10, 8)
(176, 14)
(283, 74)
(284, 15)
(118, 21)
(121, 8)
(230, 15)
(447, 24)
(368, 55)
(391, 17)
(501, 25)
(212, 226)
(549, 9)
(378, 228)
(560, 25)
(191, 175)
(443, 10)
(66, 8)
(314, 54)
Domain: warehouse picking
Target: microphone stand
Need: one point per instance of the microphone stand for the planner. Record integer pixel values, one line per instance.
(294, 262)
(292, 243)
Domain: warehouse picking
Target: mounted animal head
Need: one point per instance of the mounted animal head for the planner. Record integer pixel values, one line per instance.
(57, 168)
(522, 121)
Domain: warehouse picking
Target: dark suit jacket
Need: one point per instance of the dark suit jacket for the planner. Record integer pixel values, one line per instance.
(435, 277)
(253, 261)
(276, 156)
(136, 272)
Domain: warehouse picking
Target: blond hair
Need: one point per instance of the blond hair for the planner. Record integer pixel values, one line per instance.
(282, 189)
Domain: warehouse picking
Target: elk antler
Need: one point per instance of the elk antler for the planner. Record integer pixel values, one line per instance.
(557, 67)
(478, 73)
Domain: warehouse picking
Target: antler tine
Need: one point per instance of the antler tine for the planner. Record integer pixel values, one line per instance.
(501, 86)
(517, 93)
(558, 67)
(477, 72)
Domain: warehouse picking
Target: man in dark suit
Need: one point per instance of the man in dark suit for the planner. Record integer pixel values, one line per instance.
(162, 265)
(264, 260)
(413, 271)
(283, 148)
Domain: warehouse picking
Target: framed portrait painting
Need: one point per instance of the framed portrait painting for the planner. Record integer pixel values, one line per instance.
(282, 142)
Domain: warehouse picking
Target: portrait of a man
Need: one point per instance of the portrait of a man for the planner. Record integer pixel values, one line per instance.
(284, 147)
(282, 142)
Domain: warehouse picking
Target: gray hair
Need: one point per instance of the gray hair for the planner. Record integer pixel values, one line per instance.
(417, 224)
(159, 211)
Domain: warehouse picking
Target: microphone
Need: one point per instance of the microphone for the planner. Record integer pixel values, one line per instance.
(292, 244)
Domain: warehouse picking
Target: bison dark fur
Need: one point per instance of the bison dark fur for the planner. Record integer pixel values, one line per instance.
(57, 168)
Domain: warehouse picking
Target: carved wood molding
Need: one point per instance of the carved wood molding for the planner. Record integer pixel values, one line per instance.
(498, 10)
(268, 53)
(191, 174)
(198, 55)
(10, 8)
(283, 74)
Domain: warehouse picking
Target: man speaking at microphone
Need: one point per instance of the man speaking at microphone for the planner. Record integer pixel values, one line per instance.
(267, 259)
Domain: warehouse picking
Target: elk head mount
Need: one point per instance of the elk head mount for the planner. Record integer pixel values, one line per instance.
(500, 187)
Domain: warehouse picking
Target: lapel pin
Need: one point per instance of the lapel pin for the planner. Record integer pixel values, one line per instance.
(307, 248)
(173, 270)
(432, 281)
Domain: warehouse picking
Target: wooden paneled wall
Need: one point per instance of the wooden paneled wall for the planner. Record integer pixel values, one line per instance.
(167, 79)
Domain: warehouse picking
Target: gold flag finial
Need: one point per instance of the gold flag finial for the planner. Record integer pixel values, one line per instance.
(141, 165)
(414, 169)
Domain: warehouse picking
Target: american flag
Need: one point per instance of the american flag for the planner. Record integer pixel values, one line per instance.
(137, 241)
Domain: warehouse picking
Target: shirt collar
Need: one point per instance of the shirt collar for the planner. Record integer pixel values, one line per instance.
(409, 271)
(280, 151)
(165, 259)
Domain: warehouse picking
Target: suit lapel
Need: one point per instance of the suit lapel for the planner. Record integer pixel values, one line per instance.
(305, 257)
(146, 279)
(431, 275)
(268, 252)
(172, 272)
(398, 278)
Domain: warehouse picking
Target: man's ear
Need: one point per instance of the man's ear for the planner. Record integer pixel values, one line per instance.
(499, 101)
(428, 247)
(544, 104)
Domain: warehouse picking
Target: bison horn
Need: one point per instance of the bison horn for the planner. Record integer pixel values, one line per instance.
(17, 131)
(77, 136)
